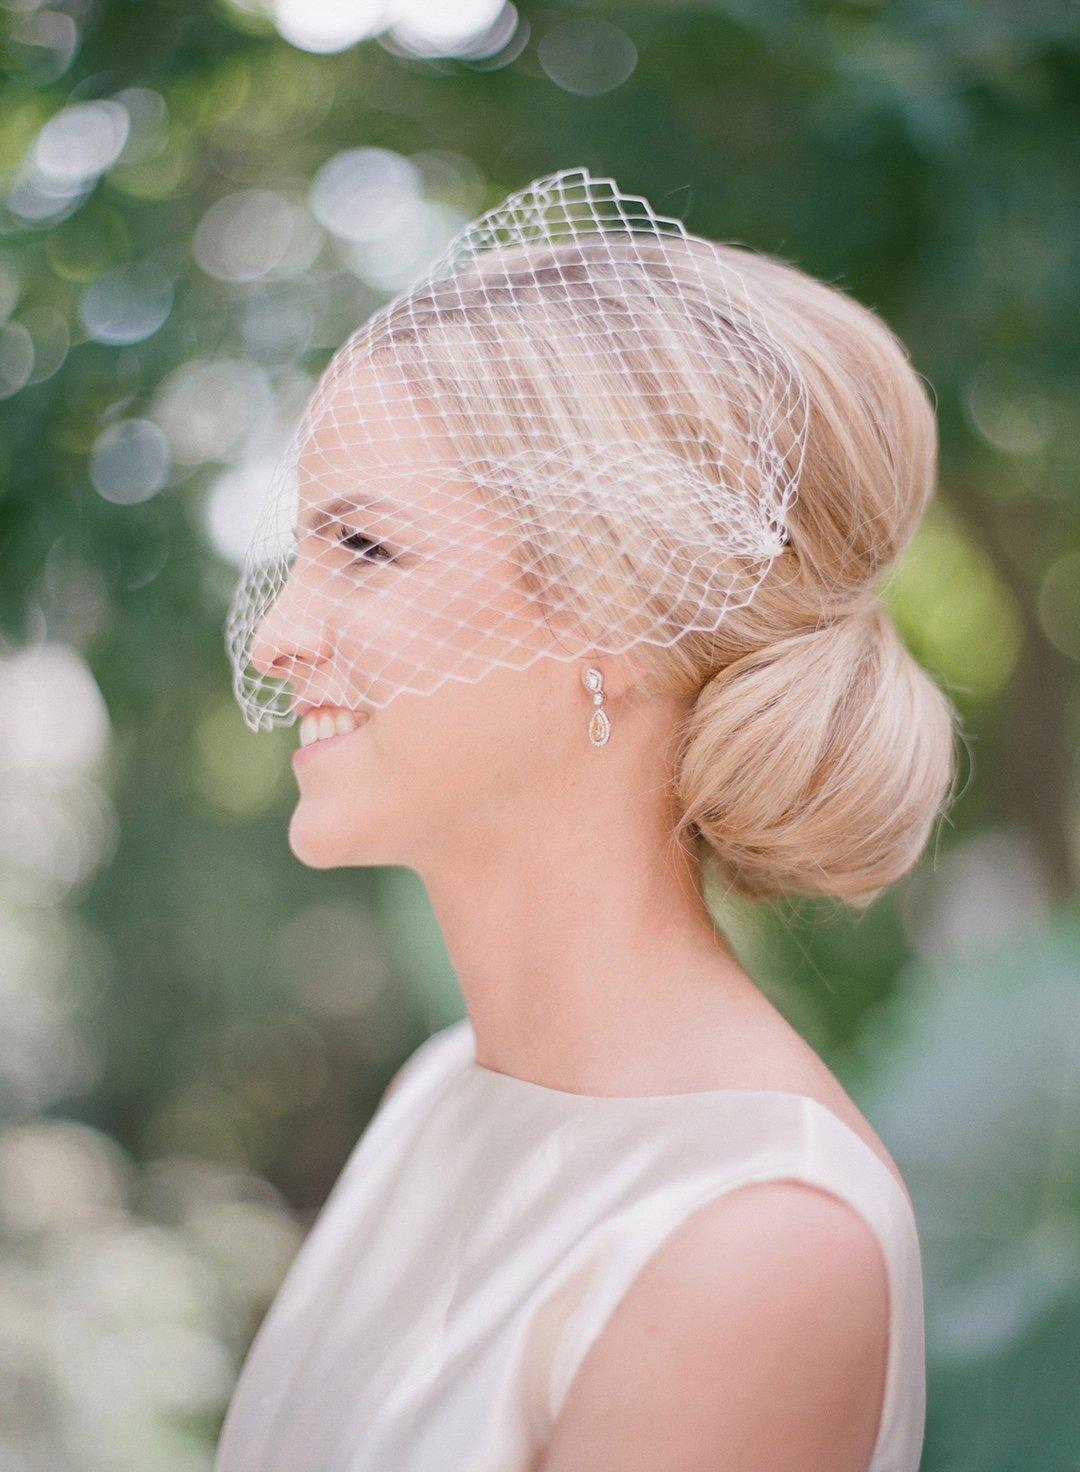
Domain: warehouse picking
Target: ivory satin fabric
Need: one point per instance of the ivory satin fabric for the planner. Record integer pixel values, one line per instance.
(479, 1236)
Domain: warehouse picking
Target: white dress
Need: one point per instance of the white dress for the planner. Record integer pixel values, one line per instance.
(477, 1239)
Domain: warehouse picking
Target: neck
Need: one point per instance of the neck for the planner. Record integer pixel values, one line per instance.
(592, 963)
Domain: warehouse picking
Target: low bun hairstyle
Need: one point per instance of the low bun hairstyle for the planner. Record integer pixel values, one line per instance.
(817, 763)
(812, 753)
(817, 753)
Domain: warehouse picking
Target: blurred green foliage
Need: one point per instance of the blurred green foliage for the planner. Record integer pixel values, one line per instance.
(196, 1027)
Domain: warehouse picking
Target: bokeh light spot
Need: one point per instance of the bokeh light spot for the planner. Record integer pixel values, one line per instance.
(210, 409)
(325, 26)
(16, 358)
(959, 616)
(10, 287)
(234, 506)
(587, 56)
(53, 719)
(43, 45)
(129, 462)
(127, 304)
(50, 339)
(253, 233)
(81, 141)
(232, 772)
(366, 194)
(1003, 410)
(1059, 604)
(466, 28)
(391, 265)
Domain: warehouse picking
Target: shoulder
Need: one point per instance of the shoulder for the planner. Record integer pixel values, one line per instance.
(793, 1066)
(812, 1244)
(773, 1056)
(755, 1337)
(448, 1046)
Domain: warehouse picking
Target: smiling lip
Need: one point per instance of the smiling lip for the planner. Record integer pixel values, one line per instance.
(305, 753)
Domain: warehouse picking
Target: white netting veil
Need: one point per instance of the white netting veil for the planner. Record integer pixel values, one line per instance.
(575, 433)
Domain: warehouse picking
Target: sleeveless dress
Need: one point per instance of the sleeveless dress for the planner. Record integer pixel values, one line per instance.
(479, 1236)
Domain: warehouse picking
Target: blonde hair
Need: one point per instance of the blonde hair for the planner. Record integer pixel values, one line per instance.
(815, 753)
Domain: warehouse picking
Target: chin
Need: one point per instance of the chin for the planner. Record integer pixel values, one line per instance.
(317, 840)
(324, 836)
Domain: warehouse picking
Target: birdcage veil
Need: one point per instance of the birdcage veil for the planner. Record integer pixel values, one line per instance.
(575, 433)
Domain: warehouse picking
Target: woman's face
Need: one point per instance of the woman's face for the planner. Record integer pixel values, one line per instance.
(402, 575)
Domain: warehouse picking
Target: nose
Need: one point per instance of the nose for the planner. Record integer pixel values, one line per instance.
(291, 634)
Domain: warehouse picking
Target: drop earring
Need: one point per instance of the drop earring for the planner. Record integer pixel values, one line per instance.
(599, 726)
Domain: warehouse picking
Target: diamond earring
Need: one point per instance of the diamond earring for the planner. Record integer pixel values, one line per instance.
(599, 726)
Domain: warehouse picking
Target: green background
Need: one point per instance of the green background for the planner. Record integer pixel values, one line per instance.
(195, 1027)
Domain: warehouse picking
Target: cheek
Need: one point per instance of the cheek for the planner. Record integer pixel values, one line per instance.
(448, 756)
(445, 752)
(418, 752)
(495, 740)
(524, 748)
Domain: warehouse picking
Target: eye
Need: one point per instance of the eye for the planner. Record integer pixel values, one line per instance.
(369, 551)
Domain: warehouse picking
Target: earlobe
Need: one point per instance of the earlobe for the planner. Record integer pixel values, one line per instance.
(611, 678)
(600, 725)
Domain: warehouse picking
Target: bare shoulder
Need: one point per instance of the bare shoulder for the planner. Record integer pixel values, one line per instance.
(754, 1338)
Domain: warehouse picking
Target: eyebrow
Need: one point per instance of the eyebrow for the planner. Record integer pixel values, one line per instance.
(322, 516)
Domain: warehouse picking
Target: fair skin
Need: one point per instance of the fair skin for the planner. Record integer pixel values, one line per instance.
(752, 1341)
(755, 1336)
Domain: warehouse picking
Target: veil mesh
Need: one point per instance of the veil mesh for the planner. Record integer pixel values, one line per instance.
(574, 434)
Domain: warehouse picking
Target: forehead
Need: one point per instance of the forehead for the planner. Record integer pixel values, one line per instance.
(370, 442)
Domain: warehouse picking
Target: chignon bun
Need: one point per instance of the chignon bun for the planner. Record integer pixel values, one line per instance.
(818, 763)
(817, 753)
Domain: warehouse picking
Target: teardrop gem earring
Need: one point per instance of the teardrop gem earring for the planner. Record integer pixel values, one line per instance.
(599, 726)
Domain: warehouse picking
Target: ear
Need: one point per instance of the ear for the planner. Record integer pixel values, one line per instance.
(620, 674)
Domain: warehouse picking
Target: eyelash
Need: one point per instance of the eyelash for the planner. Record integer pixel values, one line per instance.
(354, 537)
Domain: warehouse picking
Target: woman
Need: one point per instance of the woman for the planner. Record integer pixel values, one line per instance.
(587, 529)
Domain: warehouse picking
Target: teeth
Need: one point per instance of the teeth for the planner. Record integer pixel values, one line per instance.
(320, 725)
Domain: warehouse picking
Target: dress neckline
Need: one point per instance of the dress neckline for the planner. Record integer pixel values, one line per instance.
(471, 1066)
(594, 1102)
